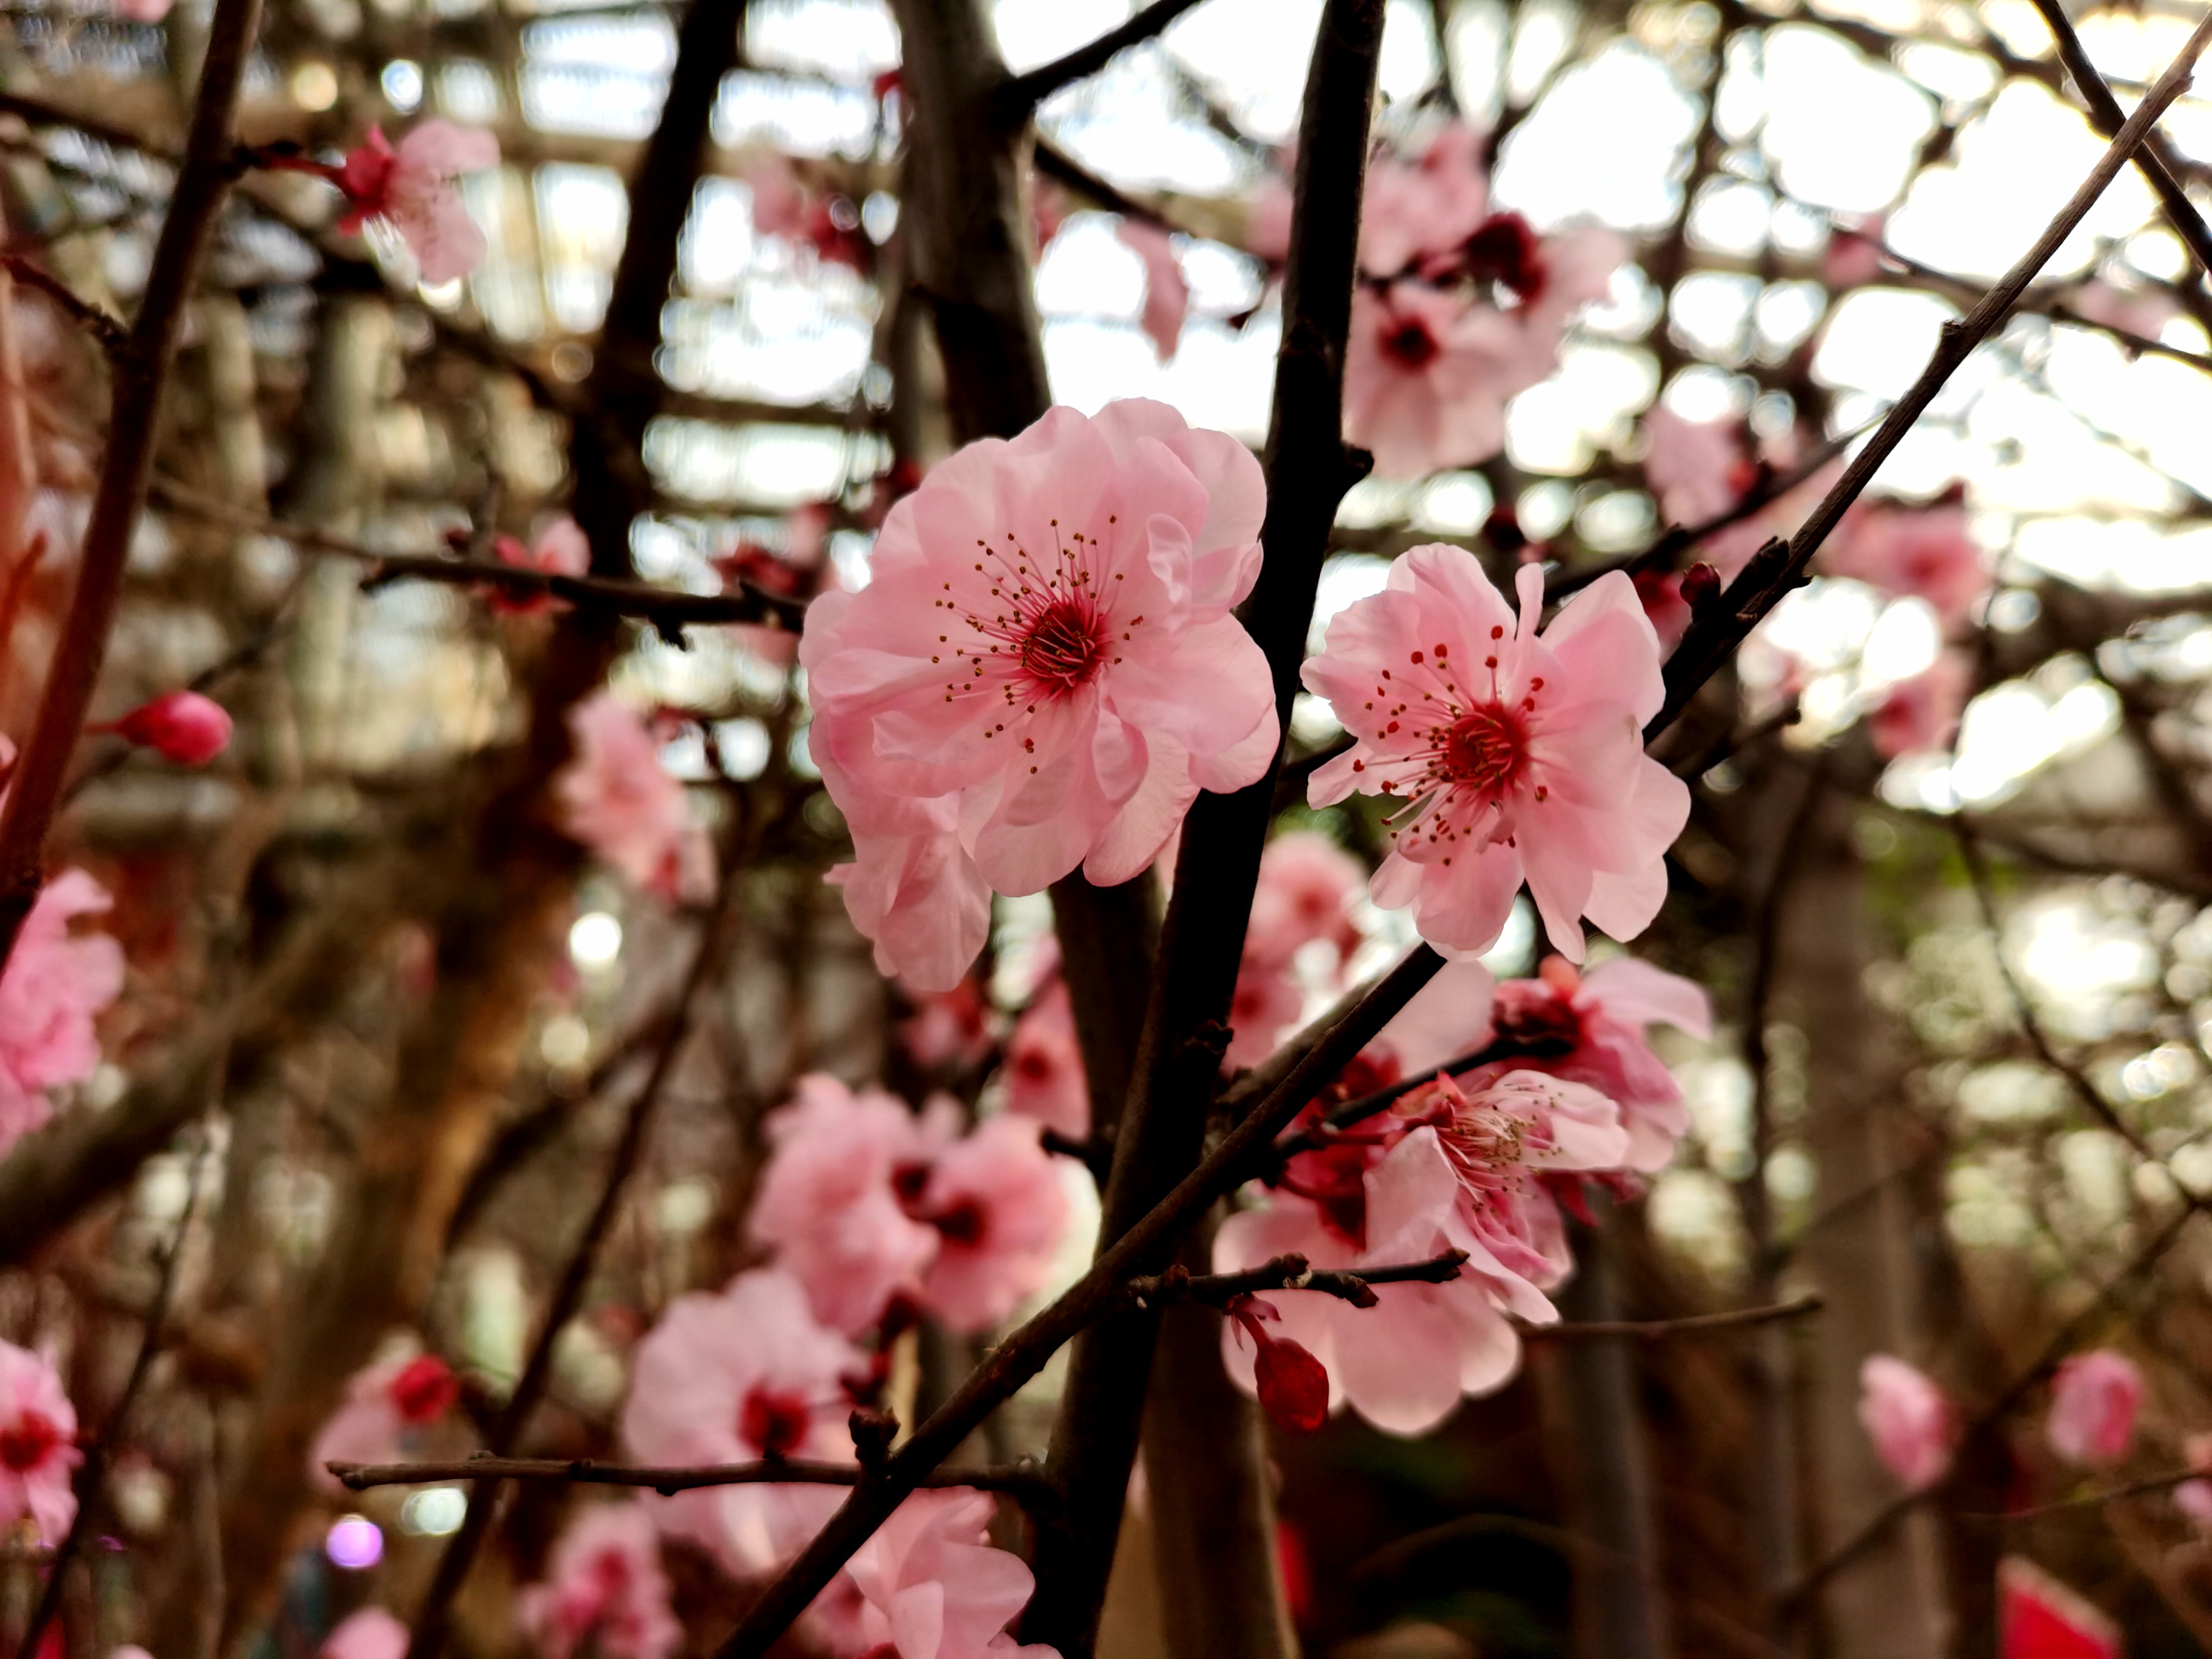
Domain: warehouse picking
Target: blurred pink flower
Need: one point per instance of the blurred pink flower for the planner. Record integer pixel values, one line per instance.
(1923, 551)
(54, 983)
(1853, 256)
(412, 188)
(948, 1029)
(2194, 1497)
(1922, 713)
(560, 549)
(1308, 886)
(371, 1633)
(1604, 1013)
(1167, 294)
(619, 801)
(1465, 1174)
(1082, 679)
(1043, 1069)
(1907, 1418)
(931, 1586)
(1415, 209)
(2039, 1618)
(1535, 768)
(383, 1402)
(143, 11)
(995, 1199)
(1266, 999)
(2093, 1401)
(38, 1445)
(827, 1206)
(783, 206)
(2144, 313)
(730, 1378)
(1696, 469)
(605, 1592)
(182, 726)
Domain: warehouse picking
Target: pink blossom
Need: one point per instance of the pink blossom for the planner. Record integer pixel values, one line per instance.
(1604, 1013)
(1429, 206)
(2093, 1401)
(385, 1403)
(995, 1199)
(412, 188)
(1267, 219)
(1907, 1418)
(182, 726)
(1043, 1070)
(1466, 1173)
(1428, 371)
(1696, 469)
(605, 1592)
(1924, 551)
(1853, 256)
(38, 1445)
(559, 549)
(784, 207)
(1058, 693)
(932, 1587)
(1535, 768)
(948, 1029)
(1266, 999)
(1308, 886)
(2039, 1618)
(827, 1206)
(1922, 713)
(2144, 314)
(54, 983)
(1167, 294)
(617, 799)
(372, 1633)
(730, 1378)
(911, 888)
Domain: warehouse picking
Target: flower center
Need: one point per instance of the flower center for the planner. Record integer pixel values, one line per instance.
(1064, 644)
(1504, 251)
(961, 1224)
(776, 1423)
(1485, 749)
(1411, 344)
(26, 1442)
(425, 1390)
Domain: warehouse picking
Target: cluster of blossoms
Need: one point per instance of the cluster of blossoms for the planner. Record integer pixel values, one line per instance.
(1479, 1161)
(1458, 309)
(1040, 675)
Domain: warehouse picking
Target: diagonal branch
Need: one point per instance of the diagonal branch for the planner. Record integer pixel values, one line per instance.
(1779, 567)
(1021, 94)
(1024, 1481)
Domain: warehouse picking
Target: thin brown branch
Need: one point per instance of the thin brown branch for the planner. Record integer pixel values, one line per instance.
(1291, 1272)
(1025, 1481)
(1661, 1330)
(2148, 1486)
(105, 332)
(140, 375)
(1022, 92)
(1779, 568)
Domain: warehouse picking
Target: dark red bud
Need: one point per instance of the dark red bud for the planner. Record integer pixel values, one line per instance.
(1701, 584)
(1293, 1386)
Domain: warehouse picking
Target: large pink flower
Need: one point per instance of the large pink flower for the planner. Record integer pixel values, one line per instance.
(1907, 1418)
(1047, 644)
(54, 983)
(619, 801)
(371, 1633)
(828, 1206)
(1515, 755)
(2093, 1401)
(412, 188)
(38, 1445)
(994, 1198)
(1467, 1175)
(605, 1592)
(733, 1378)
(1924, 551)
(385, 1404)
(931, 1586)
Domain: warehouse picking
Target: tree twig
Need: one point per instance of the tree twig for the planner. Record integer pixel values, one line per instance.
(1291, 1272)
(1025, 1481)
(104, 329)
(1661, 1330)
(1779, 567)
(1022, 92)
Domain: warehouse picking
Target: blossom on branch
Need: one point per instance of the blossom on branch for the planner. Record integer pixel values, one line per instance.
(932, 1587)
(733, 1378)
(54, 983)
(385, 1404)
(994, 1197)
(619, 801)
(2093, 1401)
(1517, 756)
(1042, 673)
(560, 549)
(412, 188)
(1922, 713)
(604, 1592)
(1923, 552)
(38, 1445)
(182, 726)
(1306, 890)
(1043, 1070)
(1907, 1418)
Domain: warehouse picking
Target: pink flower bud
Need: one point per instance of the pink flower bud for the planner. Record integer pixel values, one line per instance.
(180, 725)
(2093, 1401)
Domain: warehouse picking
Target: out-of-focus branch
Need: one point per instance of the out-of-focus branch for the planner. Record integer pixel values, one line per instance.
(140, 374)
(1662, 1330)
(1024, 1481)
(1025, 92)
(104, 329)
(1779, 567)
